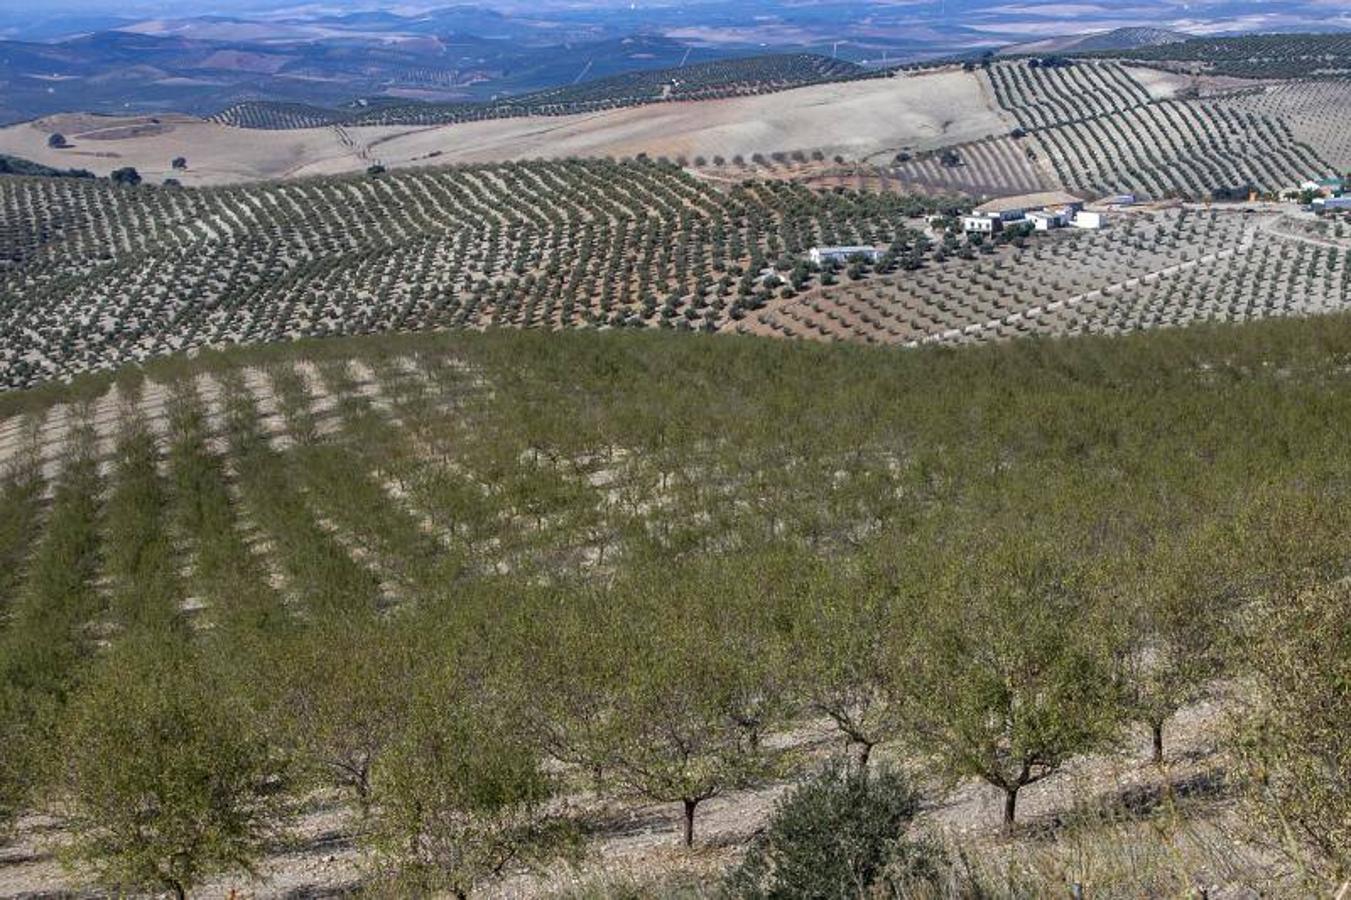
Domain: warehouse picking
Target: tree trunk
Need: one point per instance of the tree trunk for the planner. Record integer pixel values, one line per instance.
(865, 751)
(1010, 807)
(689, 822)
(179, 892)
(1156, 729)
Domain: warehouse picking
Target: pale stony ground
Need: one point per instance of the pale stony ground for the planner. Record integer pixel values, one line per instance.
(638, 840)
(216, 154)
(922, 111)
(1160, 84)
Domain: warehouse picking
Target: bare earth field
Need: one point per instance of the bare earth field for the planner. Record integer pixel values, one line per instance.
(919, 111)
(215, 154)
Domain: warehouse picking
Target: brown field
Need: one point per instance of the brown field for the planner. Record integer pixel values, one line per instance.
(215, 154)
(920, 111)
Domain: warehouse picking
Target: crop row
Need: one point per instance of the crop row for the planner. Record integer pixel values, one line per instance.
(1045, 96)
(1258, 55)
(1315, 112)
(1272, 278)
(994, 165)
(1179, 148)
(97, 275)
(1078, 282)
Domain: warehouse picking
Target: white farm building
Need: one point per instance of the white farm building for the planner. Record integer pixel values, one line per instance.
(822, 255)
(1085, 219)
(1045, 220)
(982, 224)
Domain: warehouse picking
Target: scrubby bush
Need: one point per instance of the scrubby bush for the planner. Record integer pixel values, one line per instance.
(841, 834)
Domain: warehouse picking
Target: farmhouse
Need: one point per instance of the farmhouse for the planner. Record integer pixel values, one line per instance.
(821, 255)
(988, 224)
(1324, 186)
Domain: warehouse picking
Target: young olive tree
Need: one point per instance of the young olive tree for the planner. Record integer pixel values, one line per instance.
(1176, 622)
(845, 662)
(677, 713)
(163, 779)
(461, 794)
(1293, 737)
(675, 735)
(342, 691)
(1007, 677)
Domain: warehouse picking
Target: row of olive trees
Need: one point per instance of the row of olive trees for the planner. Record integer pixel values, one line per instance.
(176, 764)
(1051, 566)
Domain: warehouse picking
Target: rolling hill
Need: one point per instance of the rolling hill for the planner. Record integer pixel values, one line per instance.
(1129, 38)
(701, 81)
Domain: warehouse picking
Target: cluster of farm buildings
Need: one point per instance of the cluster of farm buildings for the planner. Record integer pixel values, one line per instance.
(1044, 212)
(1327, 194)
(1050, 210)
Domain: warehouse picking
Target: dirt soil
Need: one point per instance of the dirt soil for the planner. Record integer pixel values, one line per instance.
(641, 840)
(860, 120)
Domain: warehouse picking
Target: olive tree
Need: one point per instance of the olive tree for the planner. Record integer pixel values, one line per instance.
(341, 694)
(1176, 620)
(1008, 673)
(677, 683)
(845, 662)
(163, 779)
(1293, 736)
(461, 793)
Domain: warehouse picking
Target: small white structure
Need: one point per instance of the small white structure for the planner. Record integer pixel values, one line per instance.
(821, 255)
(1085, 219)
(982, 224)
(1046, 219)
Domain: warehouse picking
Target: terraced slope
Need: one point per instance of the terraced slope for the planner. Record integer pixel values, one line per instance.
(1102, 131)
(92, 275)
(1314, 111)
(1180, 148)
(1042, 96)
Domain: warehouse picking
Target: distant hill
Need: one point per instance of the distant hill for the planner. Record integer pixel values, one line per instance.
(1323, 56)
(705, 81)
(120, 72)
(1116, 39)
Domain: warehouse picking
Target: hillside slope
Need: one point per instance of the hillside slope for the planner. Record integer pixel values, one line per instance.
(710, 80)
(1127, 38)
